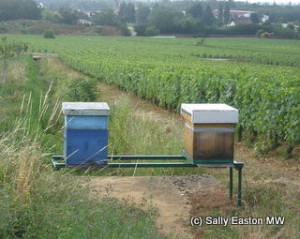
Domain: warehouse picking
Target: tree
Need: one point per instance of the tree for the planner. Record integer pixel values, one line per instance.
(49, 34)
(9, 50)
(50, 16)
(127, 12)
(254, 18)
(19, 9)
(68, 16)
(226, 13)
(151, 31)
(142, 15)
(189, 25)
(140, 30)
(29, 10)
(106, 17)
(291, 26)
(208, 17)
(196, 10)
(220, 14)
(163, 19)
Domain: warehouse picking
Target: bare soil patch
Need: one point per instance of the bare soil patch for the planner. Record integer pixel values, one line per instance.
(218, 59)
(171, 197)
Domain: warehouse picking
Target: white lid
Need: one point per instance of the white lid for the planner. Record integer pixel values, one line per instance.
(211, 113)
(85, 108)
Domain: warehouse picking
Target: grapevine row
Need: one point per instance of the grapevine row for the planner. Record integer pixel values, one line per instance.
(168, 73)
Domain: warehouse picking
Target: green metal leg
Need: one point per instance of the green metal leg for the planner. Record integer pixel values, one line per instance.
(240, 186)
(239, 166)
(230, 182)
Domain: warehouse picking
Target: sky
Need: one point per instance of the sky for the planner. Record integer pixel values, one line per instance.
(272, 1)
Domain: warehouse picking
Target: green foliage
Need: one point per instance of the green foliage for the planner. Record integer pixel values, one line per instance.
(196, 10)
(124, 30)
(68, 16)
(226, 13)
(50, 16)
(254, 18)
(208, 17)
(106, 17)
(142, 15)
(220, 15)
(201, 42)
(86, 5)
(49, 34)
(278, 30)
(140, 29)
(127, 12)
(151, 31)
(164, 19)
(19, 9)
(81, 90)
(9, 50)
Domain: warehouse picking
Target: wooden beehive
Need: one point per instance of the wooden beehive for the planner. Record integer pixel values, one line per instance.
(209, 132)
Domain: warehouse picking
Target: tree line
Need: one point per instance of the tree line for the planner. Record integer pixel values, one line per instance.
(198, 18)
(19, 9)
(87, 5)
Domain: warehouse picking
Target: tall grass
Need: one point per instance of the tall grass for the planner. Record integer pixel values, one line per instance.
(39, 203)
(136, 131)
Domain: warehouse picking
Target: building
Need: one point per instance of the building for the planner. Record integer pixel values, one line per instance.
(237, 17)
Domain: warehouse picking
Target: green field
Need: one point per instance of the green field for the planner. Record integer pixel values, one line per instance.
(258, 76)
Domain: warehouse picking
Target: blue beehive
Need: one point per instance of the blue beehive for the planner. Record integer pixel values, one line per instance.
(85, 132)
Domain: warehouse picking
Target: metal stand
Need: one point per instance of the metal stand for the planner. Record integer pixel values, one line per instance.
(238, 166)
(58, 162)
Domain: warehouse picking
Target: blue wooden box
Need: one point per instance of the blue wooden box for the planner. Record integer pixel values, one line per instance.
(85, 132)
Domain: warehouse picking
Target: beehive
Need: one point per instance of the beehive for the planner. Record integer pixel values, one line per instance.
(85, 132)
(209, 132)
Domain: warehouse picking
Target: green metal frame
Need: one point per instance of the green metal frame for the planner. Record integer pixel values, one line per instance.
(206, 161)
(183, 160)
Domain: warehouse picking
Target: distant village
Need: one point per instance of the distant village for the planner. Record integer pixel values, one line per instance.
(164, 18)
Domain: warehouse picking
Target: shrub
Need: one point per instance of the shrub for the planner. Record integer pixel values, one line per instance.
(140, 29)
(201, 42)
(151, 31)
(124, 30)
(49, 34)
(82, 90)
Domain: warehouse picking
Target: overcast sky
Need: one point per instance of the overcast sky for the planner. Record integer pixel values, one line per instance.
(272, 1)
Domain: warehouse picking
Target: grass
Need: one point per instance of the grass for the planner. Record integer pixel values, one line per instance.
(37, 202)
(266, 193)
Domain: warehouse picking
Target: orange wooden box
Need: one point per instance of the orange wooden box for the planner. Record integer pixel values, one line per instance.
(208, 141)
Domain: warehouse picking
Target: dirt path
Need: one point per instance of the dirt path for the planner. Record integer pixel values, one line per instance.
(168, 195)
(179, 198)
(154, 193)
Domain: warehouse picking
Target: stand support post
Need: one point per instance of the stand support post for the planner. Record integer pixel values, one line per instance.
(230, 182)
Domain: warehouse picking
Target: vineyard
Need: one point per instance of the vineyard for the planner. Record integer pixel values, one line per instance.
(260, 77)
